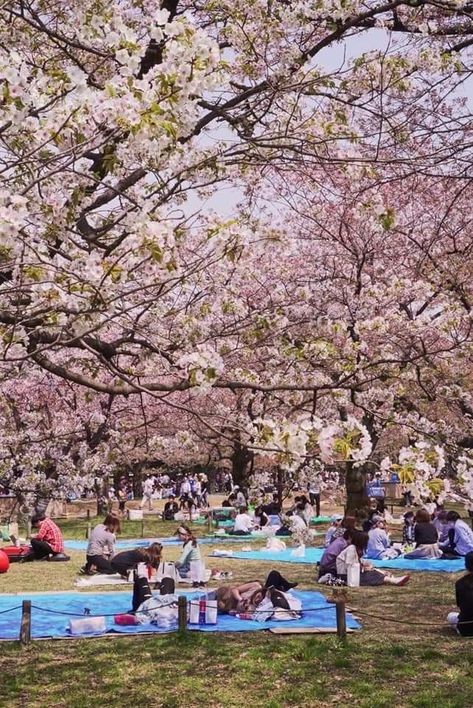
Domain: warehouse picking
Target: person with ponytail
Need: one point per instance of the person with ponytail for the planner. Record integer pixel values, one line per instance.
(191, 558)
(142, 561)
(125, 561)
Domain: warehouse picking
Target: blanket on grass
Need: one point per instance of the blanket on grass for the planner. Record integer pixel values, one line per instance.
(76, 545)
(313, 556)
(50, 618)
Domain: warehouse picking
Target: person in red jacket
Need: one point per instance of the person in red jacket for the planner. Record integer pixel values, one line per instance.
(48, 541)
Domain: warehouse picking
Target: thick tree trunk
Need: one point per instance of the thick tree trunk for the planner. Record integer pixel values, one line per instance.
(241, 458)
(356, 490)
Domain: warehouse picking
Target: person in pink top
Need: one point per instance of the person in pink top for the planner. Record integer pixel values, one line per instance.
(48, 541)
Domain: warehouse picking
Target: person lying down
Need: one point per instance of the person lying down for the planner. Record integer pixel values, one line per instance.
(260, 601)
(148, 608)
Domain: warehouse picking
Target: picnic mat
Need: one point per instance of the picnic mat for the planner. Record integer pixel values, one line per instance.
(313, 556)
(76, 545)
(50, 618)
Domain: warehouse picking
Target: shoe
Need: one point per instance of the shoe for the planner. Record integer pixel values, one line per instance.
(84, 571)
(292, 585)
(28, 558)
(324, 580)
(404, 580)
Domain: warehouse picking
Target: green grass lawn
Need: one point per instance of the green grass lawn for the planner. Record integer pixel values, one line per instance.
(404, 655)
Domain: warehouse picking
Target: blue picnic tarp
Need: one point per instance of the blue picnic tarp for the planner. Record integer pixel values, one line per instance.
(50, 618)
(313, 556)
(76, 545)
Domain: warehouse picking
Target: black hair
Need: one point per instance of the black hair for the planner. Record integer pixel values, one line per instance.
(469, 561)
(37, 518)
(453, 516)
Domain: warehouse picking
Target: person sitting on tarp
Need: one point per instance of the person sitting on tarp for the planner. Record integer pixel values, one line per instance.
(171, 508)
(48, 542)
(244, 598)
(149, 608)
(352, 556)
(274, 507)
(335, 524)
(328, 562)
(261, 517)
(460, 537)
(425, 537)
(379, 544)
(243, 523)
(463, 620)
(191, 558)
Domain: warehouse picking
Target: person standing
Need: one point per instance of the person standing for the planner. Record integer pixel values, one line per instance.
(314, 488)
(148, 488)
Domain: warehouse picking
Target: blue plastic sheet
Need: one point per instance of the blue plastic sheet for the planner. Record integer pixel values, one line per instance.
(313, 555)
(48, 622)
(75, 545)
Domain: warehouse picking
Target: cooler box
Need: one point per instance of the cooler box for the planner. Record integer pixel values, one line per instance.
(16, 553)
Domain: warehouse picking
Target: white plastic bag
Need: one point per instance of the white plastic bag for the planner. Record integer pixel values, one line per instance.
(197, 572)
(275, 544)
(298, 552)
(87, 625)
(353, 575)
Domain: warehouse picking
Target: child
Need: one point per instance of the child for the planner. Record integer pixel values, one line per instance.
(408, 529)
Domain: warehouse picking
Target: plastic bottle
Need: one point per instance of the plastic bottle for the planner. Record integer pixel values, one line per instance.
(202, 608)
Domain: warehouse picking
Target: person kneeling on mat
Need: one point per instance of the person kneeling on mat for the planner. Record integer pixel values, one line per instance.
(48, 542)
(125, 561)
(463, 620)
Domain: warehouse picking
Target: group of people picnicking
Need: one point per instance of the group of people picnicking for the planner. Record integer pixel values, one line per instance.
(445, 535)
(424, 536)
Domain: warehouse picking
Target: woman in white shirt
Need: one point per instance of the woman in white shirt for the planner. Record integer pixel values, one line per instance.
(243, 523)
(369, 576)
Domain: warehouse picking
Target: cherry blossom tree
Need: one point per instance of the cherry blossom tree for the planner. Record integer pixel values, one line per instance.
(329, 319)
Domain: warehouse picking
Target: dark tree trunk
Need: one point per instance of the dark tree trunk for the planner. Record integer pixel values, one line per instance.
(280, 484)
(356, 489)
(241, 459)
